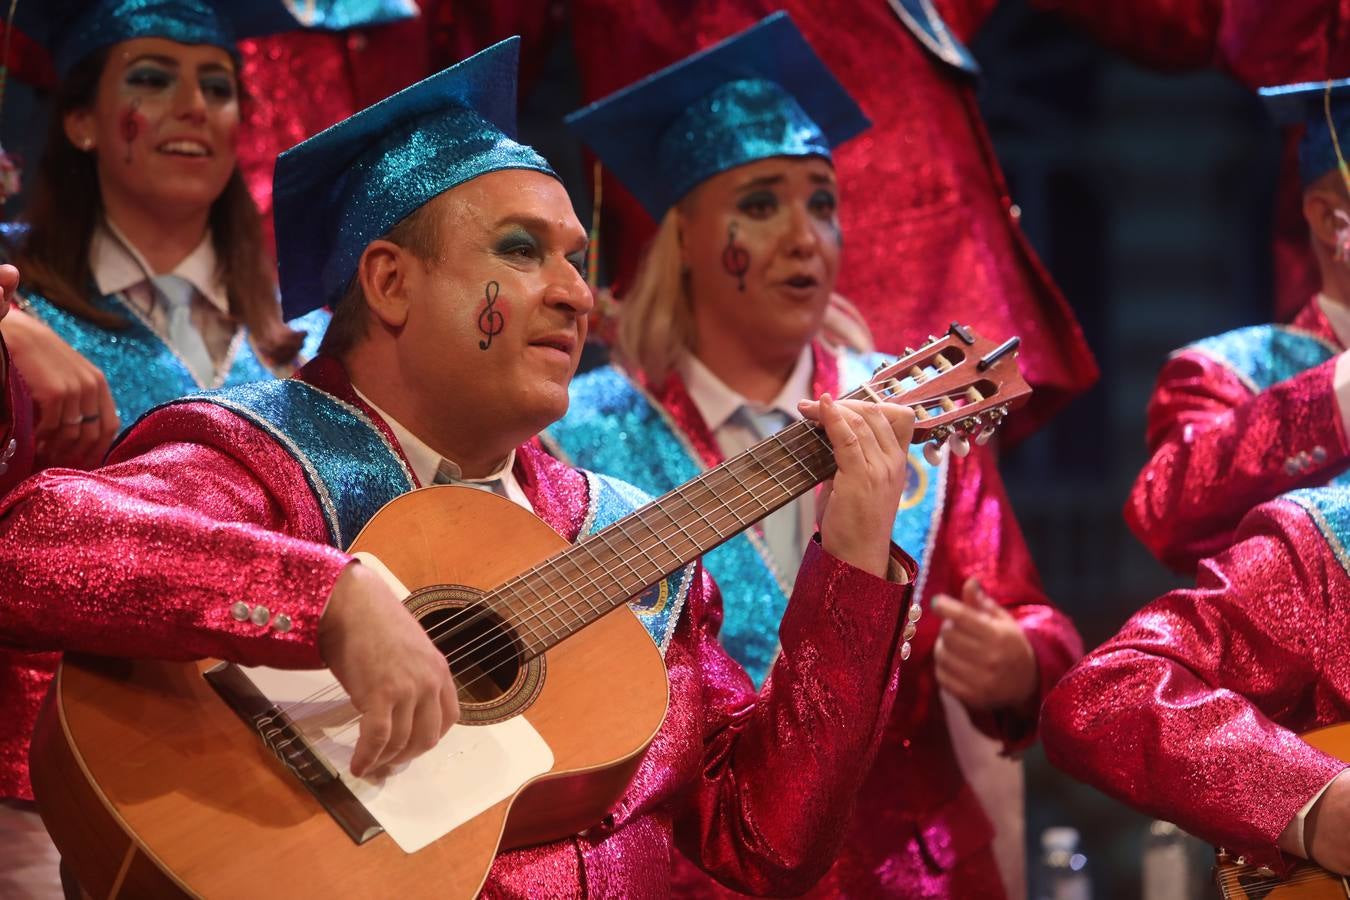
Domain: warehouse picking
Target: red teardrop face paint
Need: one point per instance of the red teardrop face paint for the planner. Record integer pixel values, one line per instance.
(132, 124)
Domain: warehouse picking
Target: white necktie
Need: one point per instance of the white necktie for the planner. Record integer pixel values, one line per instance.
(782, 528)
(177, 293)
(448, 473)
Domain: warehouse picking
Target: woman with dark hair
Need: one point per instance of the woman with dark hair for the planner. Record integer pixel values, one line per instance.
(143, 271)
(141, 250)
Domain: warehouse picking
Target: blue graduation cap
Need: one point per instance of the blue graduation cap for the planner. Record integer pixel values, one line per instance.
(72, 29)
(761, 93)
(343, 188)
(1291, 104)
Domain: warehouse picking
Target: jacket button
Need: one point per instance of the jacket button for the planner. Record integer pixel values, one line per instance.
(261, 615)
(282, 623)
(239, 611)
(1319, 454)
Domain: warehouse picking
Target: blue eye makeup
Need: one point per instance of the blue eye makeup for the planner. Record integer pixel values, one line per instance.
(517, 242)
(219, 87)
(149, 77)
(758, 204)
(824, 202)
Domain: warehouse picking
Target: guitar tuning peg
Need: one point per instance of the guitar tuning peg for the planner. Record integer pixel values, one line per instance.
(881, 367)
(984, 434)
(960, 446)
(932, 451)
(909, 351)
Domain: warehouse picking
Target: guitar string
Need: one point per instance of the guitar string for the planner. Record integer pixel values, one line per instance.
(807, 434)
(1264, 881)
(801, 439)
(529, 614)
(804, 436)
(804, 440)
(533, 614)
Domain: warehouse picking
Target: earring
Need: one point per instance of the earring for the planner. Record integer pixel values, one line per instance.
(87, 144)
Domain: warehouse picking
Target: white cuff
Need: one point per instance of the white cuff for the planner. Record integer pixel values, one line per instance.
(1340, 382)
(1301, 817)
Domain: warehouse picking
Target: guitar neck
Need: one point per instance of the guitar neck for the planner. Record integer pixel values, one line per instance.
(952, 391)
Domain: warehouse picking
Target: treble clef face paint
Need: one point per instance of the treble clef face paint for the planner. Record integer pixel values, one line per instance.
(761, 243)
(491, 319)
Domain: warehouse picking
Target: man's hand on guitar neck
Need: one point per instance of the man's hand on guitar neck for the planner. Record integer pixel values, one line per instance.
(857, 507)
(394, 674)
(1326, 829)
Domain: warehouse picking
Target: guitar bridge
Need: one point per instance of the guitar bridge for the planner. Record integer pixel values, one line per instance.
(283, 739)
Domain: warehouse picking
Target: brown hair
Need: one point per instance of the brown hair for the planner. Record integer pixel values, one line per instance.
(419, 233)
(66, 207)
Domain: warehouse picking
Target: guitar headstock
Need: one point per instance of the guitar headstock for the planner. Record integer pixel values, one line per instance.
(960, 387)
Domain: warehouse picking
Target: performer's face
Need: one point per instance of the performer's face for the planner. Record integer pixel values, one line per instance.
(499, 319)
(163, 125)
(761, 243)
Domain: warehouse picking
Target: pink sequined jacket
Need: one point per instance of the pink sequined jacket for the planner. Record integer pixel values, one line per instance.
(1191, 712)
(199, 508)
(919, 829)
(1220, 448)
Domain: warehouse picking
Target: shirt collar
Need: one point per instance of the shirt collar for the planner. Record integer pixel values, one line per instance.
(716, 402)
(425, 461)
(117, 265)
(1338, 317)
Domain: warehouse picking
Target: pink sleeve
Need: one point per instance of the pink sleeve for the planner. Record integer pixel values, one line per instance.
(1218, 451)
(781, 770)
(150, 555)
(1189, 713)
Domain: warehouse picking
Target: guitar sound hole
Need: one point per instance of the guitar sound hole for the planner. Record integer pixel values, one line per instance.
(481, 648)
(484, 652)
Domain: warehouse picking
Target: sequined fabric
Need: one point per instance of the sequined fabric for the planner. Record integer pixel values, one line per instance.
(148, 555)
(918, 829)
(200, 507)
(141, 369)
(740, 122)
(113, 21)
(1191, 711)
(655, 438)
(930, 232)
(1226, 434)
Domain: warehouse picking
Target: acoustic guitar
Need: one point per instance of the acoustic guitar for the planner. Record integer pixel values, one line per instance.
(1239, 880)
(160, 779)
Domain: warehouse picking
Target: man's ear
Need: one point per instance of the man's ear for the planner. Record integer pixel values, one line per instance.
(383, 271)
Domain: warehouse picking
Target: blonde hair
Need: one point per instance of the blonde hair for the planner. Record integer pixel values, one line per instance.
(655, 320)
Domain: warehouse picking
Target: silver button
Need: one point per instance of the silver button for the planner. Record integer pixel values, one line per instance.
(282, 623)
(915, 612)
(904, 650)
(909, 631)
(239, 611)
(1319, 454)
(261, 615)
(10, 449)
(1016, 212)
(1291, 467)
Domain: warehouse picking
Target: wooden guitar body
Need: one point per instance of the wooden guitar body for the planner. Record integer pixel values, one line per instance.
(1239, 881)
(151, 786)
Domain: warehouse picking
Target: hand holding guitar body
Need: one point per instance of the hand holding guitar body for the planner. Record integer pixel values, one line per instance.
(394, 674)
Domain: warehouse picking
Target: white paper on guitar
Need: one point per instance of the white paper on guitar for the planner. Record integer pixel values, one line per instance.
(472, 769)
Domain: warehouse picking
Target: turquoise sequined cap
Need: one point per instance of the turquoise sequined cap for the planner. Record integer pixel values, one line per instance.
(761, 93)
(72, 29)
(1291, 104)
(343, 188)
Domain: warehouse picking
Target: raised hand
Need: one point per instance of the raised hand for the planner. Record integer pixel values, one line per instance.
(983, 659)
(76, 418)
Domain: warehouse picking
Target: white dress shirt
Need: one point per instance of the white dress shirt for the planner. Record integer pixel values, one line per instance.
(787, 531)
(427, 464)
(119, 268)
